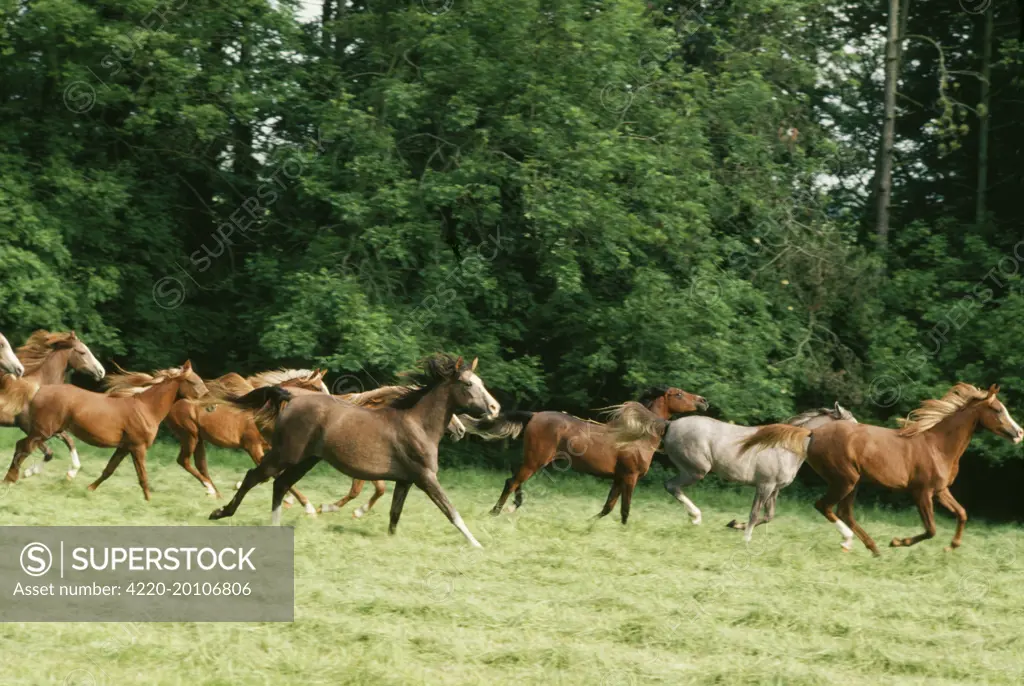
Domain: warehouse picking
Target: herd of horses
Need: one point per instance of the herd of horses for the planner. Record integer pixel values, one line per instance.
(288, 422)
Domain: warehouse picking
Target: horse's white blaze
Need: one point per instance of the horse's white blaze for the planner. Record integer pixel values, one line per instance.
(493, 406)
(94, 366)
(310, 510)
(461, 526)
(275, 516)
(360, 511)
(1015, 425)
(846, 532)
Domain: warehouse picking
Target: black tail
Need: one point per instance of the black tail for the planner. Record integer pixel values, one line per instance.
(505, 425)
(254, 400)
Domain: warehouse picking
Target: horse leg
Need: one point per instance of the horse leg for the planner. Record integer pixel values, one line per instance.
(628, 484)
(761, 497)
(353, 492)
(38, 467)
(824, 505)
(22, 449)
(428, 483)
(924, 508)
(266, 469)
(514, 483)
(188, 444)
(947, 500)
(76, 463)
(379, 489)
(613, 497)
(284, 481)
(397, 501)
(675, 486)
(139, 459)
(112, 464)
(204, 469)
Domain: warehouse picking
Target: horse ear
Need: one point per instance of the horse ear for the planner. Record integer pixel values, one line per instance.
(187, 367)
(472, 367)
(459, 363)
(73, 336)
(993, 389)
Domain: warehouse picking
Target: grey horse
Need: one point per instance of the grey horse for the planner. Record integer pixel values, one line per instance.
(697, 446)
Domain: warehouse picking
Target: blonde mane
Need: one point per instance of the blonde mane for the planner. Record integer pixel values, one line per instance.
(229, 384)
(276, 377)
(124, 383)
(933, 411)
(15, 393)
(378, 397)
(39, 347)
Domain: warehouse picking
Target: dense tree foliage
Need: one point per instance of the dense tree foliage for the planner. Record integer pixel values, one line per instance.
(591, 196)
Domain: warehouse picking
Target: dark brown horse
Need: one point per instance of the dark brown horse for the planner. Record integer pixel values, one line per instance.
(590, 447)
(45, 358)
(922, 457)
(127, 423)
(395, 443)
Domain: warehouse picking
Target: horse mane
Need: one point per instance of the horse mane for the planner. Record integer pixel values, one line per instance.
(229, 384)
(808, 415)
(15, 393)
(385, 395)
(276, 377)
(432, 372)
(124, 383)
(933, 411)
(651, 394)
(39, 347)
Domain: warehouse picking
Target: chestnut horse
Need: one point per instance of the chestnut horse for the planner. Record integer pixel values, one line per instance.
(9, 362)
(922, 457)
(127, 423)
(45, 358)
(395, 443)
(590, 447)
(195, 422)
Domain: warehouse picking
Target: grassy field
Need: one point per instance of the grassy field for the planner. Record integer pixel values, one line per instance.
(550, 599)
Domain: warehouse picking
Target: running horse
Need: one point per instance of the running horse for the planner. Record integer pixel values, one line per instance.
(590, 447)
(9, 362)
(45, 358)
(127, 423)
(395, 443)
(697, 446)
(922, 457)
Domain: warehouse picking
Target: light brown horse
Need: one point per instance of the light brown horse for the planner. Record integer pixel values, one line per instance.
(9, 362)
(127, 423)
(922, 457)
(195, 422)
(45, 358)
(589, 447)
(395, 443)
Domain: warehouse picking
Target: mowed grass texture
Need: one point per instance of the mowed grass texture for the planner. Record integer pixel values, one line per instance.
(553, 598)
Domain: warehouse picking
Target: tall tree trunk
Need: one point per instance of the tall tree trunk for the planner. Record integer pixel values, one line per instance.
(984, 114)
(889, 126)
(326, 14)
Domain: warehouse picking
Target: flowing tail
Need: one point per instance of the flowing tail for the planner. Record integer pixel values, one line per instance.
(791, 438)
(505, 425)
(267, 403)
(632, 422)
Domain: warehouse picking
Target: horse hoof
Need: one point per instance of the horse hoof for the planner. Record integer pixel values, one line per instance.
(950, 548)
(72, 473)
(695, 521)
(217, 514)
(310, 510)
(328, 507)
(895, 543)
(358, 513)
(733, 525)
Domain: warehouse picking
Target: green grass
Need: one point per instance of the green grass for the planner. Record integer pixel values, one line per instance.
(549, 600)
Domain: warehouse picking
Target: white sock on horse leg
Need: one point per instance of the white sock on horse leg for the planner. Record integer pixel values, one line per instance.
(360, 511)
(210, 490)
(310, 510)
(329, 507)
(846, 532)
(690, 507)
(76, 464)
(290, 499)
(275, 516)
(461, 526)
